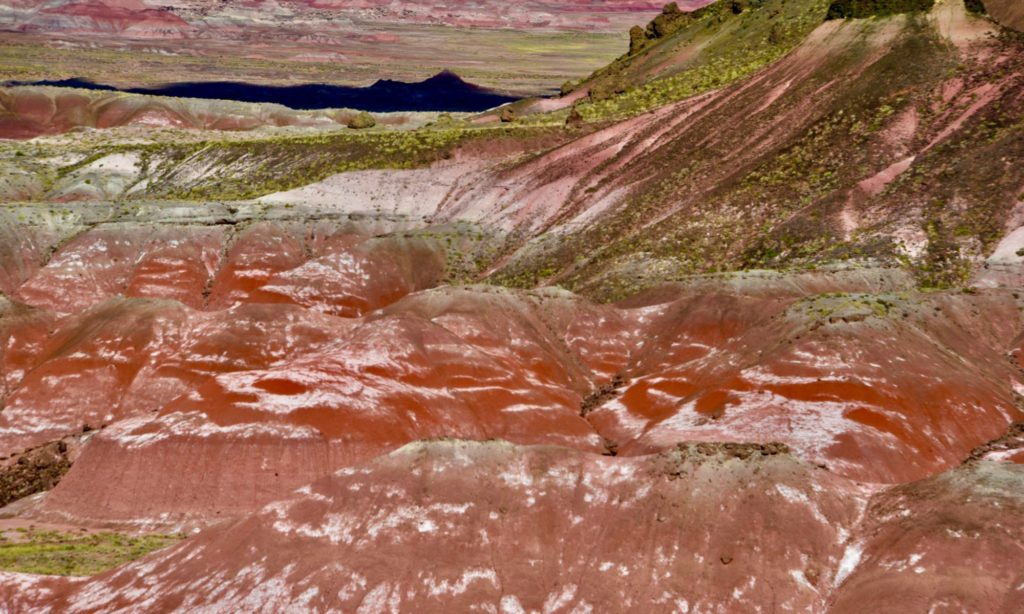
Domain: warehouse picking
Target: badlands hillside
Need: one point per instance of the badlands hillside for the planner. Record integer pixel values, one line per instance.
(733, 324)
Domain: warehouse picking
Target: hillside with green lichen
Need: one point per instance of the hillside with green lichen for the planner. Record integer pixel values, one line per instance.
(67, 554)
(237, 168)
(842, 150)
(859, 9)
(682, 54)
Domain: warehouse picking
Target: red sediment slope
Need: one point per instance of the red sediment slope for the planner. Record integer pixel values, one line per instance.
(350, 281)
(864, 384)
(110, 261)
(129, 358)
(110, 358)
(232, 350)
(24, 332)
(948, 542)
(132, 18)
(220, 266)
(872, 387)
(462, 371)
(544, 529)
(28, 112)
(329, 268)
(538, 529)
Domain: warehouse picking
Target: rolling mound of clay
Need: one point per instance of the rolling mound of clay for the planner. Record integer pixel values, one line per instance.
(497, 527)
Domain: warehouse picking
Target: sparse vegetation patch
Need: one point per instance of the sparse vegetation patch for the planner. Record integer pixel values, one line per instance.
(70, 554)
(857, 9)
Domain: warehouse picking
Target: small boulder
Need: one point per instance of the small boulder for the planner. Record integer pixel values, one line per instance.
(637, 40)
(362, 121)
(575, 119)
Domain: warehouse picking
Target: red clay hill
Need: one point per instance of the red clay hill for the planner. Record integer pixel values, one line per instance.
(726, 342)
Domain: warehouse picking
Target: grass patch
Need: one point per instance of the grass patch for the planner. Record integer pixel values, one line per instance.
(240, 166)
(249, 169)
(858, 9)
(71, 554)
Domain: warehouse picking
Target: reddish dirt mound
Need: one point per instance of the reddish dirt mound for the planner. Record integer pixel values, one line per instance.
(538, 529)
(109, 261)
(468, 364)
(496, 527)
(351, 281)
(874, 387)
(877, 388)
(324, 267)
(24, 332)
(28, 112)
(133, 18)
(128, 358)
(221, 266)
(239, 365)
(949, 543)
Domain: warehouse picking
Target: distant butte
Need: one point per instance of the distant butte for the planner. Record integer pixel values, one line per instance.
(445, 91)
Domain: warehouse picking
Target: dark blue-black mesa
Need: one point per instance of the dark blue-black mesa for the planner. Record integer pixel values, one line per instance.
(445, 91)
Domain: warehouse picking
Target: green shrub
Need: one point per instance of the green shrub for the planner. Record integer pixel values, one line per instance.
(738, 6)
(575, 119)
(607, 88)
(362, 121)
(942, 265)
(856, 9)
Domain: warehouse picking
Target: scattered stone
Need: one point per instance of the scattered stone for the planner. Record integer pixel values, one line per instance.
(35, 470)
(575, 119)
(602, 394)
(637, 40)
(1010, 441)
(362, 121)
